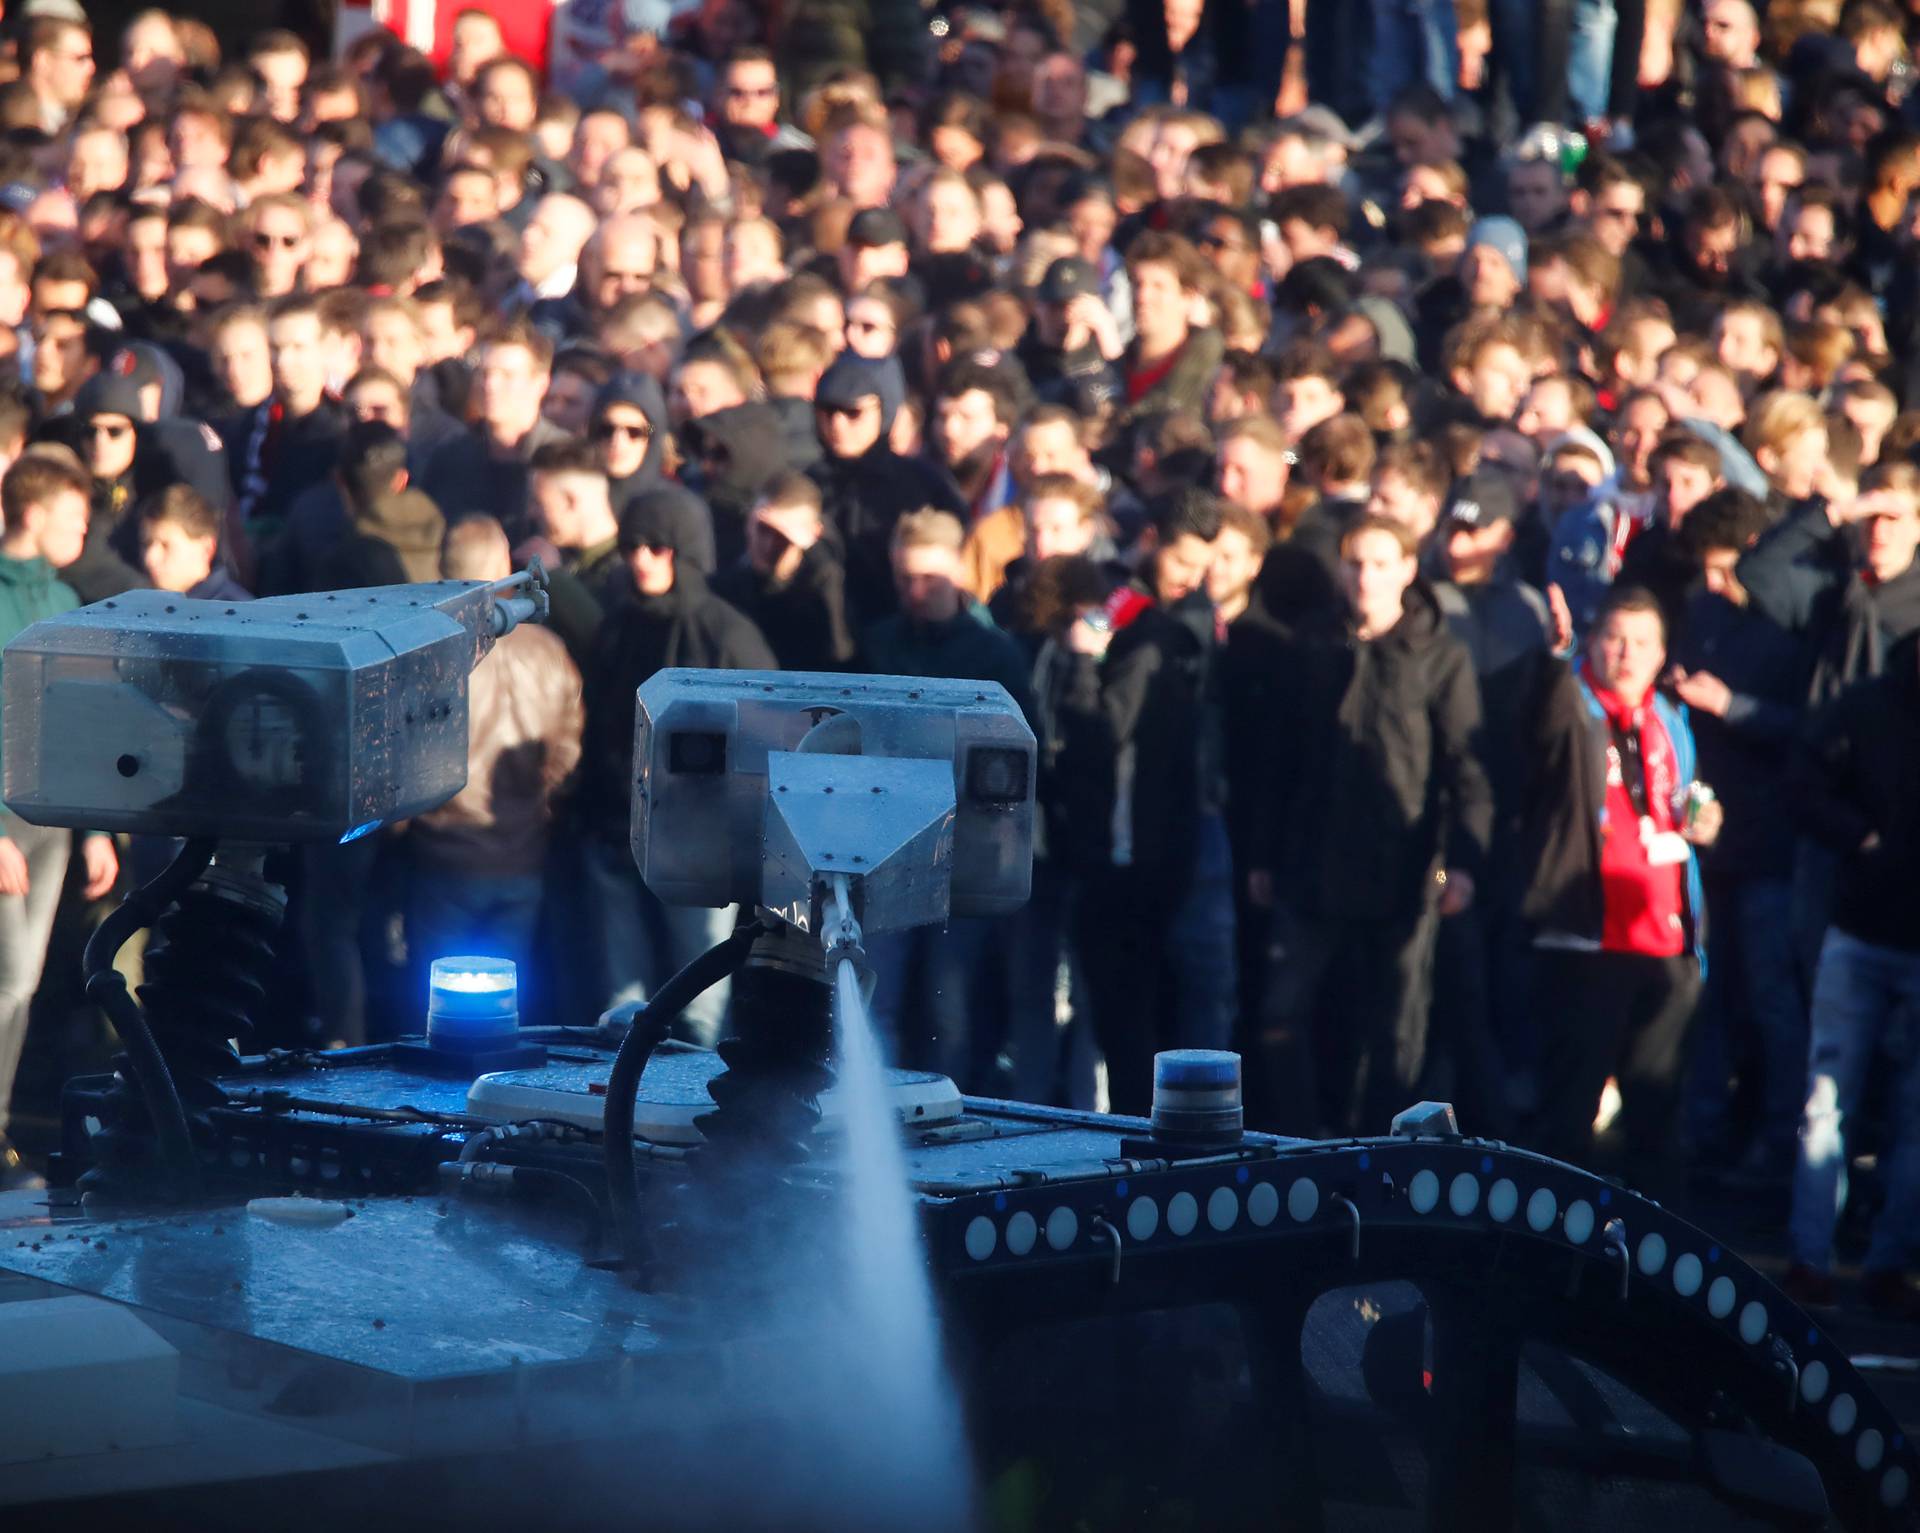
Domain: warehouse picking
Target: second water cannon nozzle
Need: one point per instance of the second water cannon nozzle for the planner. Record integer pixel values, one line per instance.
(762, 789)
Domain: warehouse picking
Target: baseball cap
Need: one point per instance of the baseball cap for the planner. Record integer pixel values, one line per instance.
(1484, 497)
(1067, 279)
(876, 226)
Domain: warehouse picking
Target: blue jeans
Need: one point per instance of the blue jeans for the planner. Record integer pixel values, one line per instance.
(26, 926)
(1577, 80)
(456, 913)
(642, 943)
(1752, 974)
(1205, 963)
(1859, 992)
(1037, 1050)
(1414, 42)
(923, 994)
(1590, 57)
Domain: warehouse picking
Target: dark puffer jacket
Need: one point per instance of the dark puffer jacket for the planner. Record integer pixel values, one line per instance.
(1377, 781)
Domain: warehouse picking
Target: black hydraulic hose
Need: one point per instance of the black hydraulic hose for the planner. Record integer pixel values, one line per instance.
(623, 1083)
(107, 989)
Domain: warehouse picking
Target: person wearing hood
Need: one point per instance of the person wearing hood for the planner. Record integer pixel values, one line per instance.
(1374, 827)
(396, 531)
(734, 452)
(132, 455)
(791, 582)
(674, 619)
(629, 433)
(573, 511)
(865, 486)
(938, 631)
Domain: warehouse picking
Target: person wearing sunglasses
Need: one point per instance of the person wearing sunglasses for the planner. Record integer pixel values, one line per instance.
(279, 232)
(629, 436)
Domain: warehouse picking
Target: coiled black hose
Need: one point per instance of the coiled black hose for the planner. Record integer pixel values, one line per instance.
(649, 1030)
(107, 989)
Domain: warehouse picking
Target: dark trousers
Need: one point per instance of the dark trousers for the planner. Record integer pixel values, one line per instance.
(1342, 1035)
(1122, 933)
(1620, 1015)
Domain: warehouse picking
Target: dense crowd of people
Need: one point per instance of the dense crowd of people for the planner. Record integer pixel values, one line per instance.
(1439, 479)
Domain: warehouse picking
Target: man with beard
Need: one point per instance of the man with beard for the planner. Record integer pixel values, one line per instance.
(1710, 261)
(865, 487)
(973, 414)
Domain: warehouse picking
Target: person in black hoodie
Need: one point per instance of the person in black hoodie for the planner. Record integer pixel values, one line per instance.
(865, 486)
(673, 620)
(1130, 757)
(1374, 827)
(791, 582)
(1855, 787)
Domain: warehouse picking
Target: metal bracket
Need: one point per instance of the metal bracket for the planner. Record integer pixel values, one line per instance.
(1353, 1212)
(1615, 1235)
(1103, 1226)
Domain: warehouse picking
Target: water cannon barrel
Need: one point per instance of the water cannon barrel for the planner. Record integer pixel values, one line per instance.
(295, 718)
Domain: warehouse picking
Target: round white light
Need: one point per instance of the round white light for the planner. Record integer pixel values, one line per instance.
(1579, 1221)
(1303, 1200)
(982, 1237)
(1263, 1204)
(1022, 1231)
(1062, 1225)
(1541, 1209)
(1143, 1218)
(1720, 1298)
(1867, 1451)
(1223, 1208)
(1687, 1274)
(1813, 1382)
(1503, 1201)
(1893, 1489)
(1841, 1415)
(1463, 1194)
(1183, 1213)
(1424, 1194)
(1653, 1254)
(1753, 1323)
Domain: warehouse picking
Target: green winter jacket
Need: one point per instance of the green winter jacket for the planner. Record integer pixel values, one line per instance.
(29, 591)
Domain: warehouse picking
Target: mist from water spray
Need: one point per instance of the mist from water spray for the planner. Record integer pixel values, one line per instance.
(903, 1365)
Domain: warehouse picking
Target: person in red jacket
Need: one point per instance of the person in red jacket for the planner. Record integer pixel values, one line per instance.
(1613, 819)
